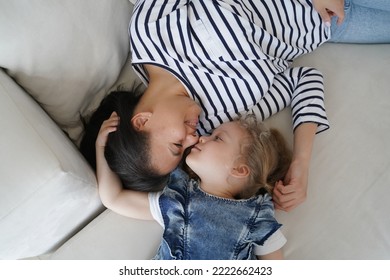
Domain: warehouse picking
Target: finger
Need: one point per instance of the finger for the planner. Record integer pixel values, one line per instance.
(105, 130)
(113, 118)
(110, 129)
(114, 115)
(325, 16)
(281, 198)
(278, 207)
(109, 126)
(340, 19)
(285, 189)
(277, 194)
(113, 121)
(339, 12)
(286, 206)
(290, 208)
(275, 197)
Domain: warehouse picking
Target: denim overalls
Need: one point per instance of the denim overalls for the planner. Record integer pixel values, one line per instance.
(202, 226)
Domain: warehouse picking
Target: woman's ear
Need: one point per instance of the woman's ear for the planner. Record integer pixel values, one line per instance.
(240, 171)
(140, 119)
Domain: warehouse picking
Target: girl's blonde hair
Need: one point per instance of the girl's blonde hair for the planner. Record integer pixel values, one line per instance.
(267, 155)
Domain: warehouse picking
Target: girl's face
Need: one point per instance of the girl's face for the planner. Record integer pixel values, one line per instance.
(172, 128)
(215, 156)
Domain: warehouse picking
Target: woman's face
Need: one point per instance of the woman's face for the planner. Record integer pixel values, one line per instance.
(172, 128)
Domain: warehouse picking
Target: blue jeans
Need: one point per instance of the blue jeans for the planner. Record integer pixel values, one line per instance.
(365, 21)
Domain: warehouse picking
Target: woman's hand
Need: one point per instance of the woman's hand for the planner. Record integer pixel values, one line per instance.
(330, 8)
(289, 194)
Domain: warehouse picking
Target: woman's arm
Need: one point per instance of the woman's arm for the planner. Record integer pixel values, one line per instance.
(309, 118)
(302, 88)
(125, 202)
(292, 192)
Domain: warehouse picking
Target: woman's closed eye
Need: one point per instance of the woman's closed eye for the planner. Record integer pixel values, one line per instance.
(177, 149)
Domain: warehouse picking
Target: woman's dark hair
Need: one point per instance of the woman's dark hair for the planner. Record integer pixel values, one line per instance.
(127, 150)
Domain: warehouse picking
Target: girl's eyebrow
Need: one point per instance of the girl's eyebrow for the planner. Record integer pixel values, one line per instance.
(225, 132)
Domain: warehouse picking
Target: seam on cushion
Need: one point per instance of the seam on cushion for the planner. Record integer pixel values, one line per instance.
(44, 115)
(40, 187)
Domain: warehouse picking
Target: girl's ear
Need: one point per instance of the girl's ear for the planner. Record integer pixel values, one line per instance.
(139, 120)
(240, 171)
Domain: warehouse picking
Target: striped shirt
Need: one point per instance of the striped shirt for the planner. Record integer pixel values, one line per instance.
(234, 56)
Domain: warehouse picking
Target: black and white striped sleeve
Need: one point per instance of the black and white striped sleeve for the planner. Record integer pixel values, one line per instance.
(302, 88)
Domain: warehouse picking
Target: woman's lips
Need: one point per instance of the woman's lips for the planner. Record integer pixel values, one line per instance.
(193, 124)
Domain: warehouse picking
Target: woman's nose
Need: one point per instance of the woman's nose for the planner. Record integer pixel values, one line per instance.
(192, 139)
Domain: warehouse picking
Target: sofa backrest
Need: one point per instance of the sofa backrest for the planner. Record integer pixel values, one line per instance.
(66, 54)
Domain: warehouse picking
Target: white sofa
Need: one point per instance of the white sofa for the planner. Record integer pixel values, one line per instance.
(58, 59)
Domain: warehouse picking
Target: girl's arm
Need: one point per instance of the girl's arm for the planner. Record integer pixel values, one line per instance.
(276, 255)
(125, 202)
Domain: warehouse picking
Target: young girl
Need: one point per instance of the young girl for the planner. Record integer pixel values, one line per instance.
(226, 213)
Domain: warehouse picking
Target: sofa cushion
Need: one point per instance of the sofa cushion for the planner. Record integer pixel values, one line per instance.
(47, 190)
(66, 54)
(345, 215)
(113, 237)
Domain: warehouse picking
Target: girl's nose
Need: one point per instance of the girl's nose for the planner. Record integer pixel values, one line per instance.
(203, 139)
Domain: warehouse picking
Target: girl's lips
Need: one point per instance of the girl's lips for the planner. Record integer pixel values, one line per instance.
(196, 147)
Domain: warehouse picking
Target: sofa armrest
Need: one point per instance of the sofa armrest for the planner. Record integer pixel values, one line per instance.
(47, 190)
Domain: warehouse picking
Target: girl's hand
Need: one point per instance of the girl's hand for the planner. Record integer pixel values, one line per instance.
(289, 194)
(330, 8)
(108, 126)
(112, 194)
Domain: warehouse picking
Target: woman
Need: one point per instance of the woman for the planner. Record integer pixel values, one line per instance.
(215, 60)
